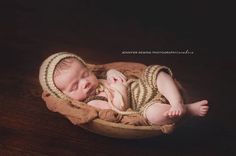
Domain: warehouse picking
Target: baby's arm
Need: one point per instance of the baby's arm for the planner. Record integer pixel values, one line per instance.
(114, 75)
(99, 104)
(168, 88)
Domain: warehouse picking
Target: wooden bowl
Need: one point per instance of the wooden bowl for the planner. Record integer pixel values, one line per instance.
(118, 130)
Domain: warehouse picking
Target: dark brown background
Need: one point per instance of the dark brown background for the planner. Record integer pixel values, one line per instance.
(99, 32)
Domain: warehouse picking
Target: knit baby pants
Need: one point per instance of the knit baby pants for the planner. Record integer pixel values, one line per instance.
(143, 92)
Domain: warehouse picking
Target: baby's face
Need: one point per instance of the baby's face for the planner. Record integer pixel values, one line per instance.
(77, 81)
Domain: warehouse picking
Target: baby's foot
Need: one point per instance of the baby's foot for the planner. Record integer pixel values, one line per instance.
(199, 108)
(175, 111)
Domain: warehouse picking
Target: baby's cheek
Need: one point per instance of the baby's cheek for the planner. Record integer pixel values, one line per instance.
(74, 95)
(80, 96)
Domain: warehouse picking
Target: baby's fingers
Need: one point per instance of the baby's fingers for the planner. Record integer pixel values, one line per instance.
(123, 77)
(112, 79)
(120, 79)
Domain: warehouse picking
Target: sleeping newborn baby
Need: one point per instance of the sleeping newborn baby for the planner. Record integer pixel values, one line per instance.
(154, 95)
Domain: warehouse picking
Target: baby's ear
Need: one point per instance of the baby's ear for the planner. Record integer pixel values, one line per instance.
(45, 94)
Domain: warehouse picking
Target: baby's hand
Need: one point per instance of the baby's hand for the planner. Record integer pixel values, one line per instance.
(115, 76)
(175, 111)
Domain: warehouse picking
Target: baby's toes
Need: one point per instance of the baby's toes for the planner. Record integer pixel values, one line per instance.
(172, 114)
(176, 113)
(179, 113)
(204, 110)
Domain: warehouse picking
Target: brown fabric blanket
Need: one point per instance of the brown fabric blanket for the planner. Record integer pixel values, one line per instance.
(80, 113)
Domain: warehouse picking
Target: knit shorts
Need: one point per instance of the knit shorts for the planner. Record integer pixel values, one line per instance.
(143, 92)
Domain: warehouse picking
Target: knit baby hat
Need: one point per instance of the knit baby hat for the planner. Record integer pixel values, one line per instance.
(47, 70)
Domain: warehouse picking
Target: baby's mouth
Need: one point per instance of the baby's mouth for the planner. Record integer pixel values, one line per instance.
(91, 91)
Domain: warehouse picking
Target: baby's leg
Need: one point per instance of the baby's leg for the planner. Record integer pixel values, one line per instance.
(156, 112)
(167, 87)
(199, 108)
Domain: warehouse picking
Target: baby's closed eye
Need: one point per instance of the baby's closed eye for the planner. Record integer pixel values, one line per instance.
(74, 87)
(85, 74)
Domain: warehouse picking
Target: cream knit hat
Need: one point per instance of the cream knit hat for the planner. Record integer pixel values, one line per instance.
(47, 70)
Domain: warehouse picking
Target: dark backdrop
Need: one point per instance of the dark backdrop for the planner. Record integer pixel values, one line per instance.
(99, 31)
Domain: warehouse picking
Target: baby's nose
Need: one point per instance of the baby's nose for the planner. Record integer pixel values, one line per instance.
(86, 84)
